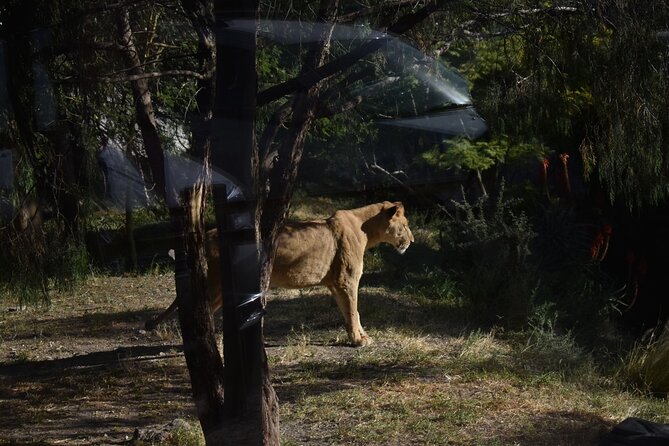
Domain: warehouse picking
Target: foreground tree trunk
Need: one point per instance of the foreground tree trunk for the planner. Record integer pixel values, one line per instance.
(251, 412)
(195, 319)
(197, 327)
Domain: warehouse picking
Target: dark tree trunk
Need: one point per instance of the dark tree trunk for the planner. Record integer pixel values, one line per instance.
(212, 414)
(272, 211)
(197, 324)
(141, 94)
(235, 152)
(201, 15)
(197, 328)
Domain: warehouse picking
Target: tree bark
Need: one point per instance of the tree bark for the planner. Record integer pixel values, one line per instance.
(272, 210)
(197, 327)
(146, 119)
(234, 150)
(197, 324)
(201, 15)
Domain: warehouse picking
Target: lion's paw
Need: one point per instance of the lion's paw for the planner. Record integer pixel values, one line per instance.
(363, 341)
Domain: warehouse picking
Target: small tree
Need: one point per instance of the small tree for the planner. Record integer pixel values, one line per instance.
(479, 156)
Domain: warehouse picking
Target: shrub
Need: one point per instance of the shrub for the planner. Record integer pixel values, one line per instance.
(549, 349)
(33, 261)
(586, 296)
(489, 242)
(645, 366)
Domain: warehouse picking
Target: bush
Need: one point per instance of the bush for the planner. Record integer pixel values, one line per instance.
(33, 261)
(645, 366)
(586, 296)
(489, 243)
(548, 349)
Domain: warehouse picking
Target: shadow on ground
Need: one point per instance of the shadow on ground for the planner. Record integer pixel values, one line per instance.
(378, 310)
(90, 361)
(94, 398)
(563, 428)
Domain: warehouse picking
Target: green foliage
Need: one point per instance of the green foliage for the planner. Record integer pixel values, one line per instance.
(190, 436)
(463, 153)
(564, 82)
(436, 285)
(70, 267)
(548, 348)
(489, 244)
(274, 64)
(335, 149)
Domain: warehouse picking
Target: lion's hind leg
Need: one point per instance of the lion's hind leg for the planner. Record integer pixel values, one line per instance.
(151, 324)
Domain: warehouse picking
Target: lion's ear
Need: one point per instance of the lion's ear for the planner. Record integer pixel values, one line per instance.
(390, 212)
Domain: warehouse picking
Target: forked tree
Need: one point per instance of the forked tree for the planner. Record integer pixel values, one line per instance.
(231, 118)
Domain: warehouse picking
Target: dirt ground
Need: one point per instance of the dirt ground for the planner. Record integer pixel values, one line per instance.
(85, 372)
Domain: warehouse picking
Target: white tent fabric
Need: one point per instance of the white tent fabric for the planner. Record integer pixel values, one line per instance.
(124, 185)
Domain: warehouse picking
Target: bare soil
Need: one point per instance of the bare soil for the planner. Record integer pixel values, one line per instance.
(85, 372)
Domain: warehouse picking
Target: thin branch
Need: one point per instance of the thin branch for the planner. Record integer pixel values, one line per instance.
(104, 7)
(392, 175)
(312, 77)
(472, 28)
(325, 111)
(136, 77)
(156, 61)
(373, 10)
(375, 167)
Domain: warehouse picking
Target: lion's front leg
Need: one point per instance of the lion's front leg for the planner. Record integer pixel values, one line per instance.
(347, 301)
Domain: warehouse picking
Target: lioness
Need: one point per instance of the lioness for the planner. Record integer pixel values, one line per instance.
(324, 252)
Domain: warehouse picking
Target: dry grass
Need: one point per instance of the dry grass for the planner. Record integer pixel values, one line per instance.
(311, 207)
(646, 365)
(84, 372)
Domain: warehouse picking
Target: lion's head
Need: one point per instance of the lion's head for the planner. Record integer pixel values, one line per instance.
(397, 232)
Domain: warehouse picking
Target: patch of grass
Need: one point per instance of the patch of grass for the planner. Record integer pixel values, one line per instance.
(646, 366)
(482, 352)
(190, 435)
(399, 350)
(429, 378)
(434, 284)
(169, 331)
(298, 346)
(412, 388)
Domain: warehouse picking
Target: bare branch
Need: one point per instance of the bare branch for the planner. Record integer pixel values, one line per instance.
(375, 167)
(136, 77)
(392, 175)
(373, 10)
(325, 111)
(310, 78)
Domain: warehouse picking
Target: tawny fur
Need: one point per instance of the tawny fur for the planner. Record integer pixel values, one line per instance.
(324, 252)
